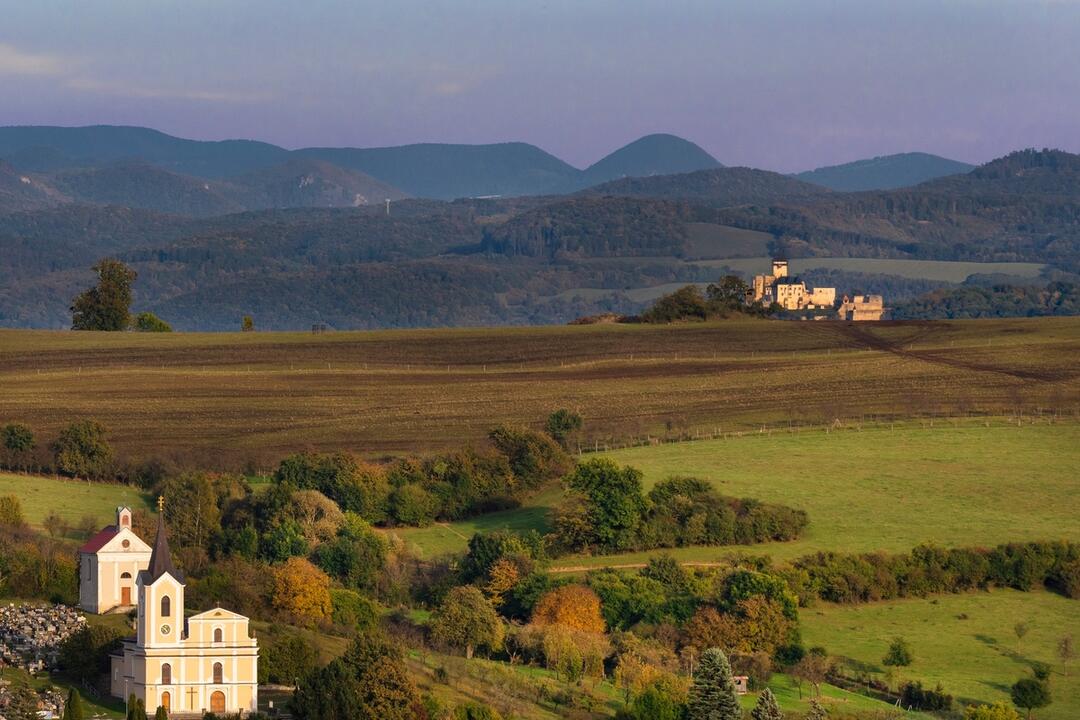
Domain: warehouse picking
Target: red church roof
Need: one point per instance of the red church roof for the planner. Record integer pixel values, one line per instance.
(99, 540)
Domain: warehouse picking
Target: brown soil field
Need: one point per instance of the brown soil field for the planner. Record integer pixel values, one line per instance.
(226, 399)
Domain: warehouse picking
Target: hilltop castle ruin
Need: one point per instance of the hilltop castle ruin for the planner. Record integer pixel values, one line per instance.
(791, 293)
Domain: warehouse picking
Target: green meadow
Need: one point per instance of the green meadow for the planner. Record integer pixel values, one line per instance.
(965, 642)
(72, 500)
(881, 487)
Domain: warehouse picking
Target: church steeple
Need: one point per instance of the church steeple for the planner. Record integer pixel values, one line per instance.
(161, 557)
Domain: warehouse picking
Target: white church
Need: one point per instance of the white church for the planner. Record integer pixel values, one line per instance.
(188, 665)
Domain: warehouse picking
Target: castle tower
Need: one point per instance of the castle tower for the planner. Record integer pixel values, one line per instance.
(779, 268)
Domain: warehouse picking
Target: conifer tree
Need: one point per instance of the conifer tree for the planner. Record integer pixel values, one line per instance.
(712, 696)
(161, 714)
(817, 712)
(73, 708)
(766, 708)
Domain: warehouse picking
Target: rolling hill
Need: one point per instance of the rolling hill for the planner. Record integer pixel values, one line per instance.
(52, 148)
(719, 187)
(658, 154)
(303, 182)
(884, 173)
(445, 172)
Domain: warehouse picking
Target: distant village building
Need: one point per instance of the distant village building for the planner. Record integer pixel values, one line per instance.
(206, 662)
(861, 307)
(109, 562)
(790, 293)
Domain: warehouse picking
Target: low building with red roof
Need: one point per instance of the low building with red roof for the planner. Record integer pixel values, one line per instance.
(109, 563)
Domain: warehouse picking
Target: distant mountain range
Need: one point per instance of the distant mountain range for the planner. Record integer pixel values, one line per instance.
(217, 230)
(88, 164)
(885, 173)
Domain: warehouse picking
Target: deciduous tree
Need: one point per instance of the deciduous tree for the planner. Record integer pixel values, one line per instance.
(564, 425)
(82, 450)
(1030, 694)
(18, 442)
(106, 306)
(302, 591)
(615, 502)
(466, 619)
(575, 606)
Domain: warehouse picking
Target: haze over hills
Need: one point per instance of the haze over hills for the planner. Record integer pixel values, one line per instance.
(884, 173)
(303, 236)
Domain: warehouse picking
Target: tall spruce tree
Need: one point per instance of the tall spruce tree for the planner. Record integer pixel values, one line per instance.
(766, 708)
(161, 714)
(712, 696)
(73, 707)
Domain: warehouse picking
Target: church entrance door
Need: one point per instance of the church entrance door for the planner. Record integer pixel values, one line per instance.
(217, 702)
(125, 596)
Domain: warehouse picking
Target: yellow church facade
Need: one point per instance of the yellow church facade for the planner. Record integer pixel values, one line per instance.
(109, 562)
(206, 662)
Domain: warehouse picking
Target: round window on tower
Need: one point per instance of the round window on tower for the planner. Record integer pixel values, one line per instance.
(126, 544)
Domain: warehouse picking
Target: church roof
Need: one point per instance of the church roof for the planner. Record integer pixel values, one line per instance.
(161, 557)
(99, 540)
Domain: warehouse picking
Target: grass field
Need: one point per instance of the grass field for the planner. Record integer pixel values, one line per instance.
(229, 398)
(965, 642)
(70, 499)
(882, 487)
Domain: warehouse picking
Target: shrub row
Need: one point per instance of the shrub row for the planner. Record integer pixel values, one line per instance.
(848, 578)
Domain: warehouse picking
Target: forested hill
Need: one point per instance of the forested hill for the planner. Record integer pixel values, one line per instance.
(498, 260)
(658, 154)
(885, 173)
(718, 187)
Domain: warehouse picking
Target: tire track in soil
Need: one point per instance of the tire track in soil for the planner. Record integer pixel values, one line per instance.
(874, 342)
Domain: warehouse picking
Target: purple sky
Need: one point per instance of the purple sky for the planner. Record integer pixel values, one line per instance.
(785, 85)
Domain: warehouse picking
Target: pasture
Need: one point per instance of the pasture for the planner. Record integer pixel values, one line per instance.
(880, 487)
(72, 500)
(229, 399)
(965, 642)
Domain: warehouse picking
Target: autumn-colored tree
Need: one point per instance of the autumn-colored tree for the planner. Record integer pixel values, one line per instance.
(575, 606)
(502, 577)
(302, 591)
(467, 620)
(11, 513)
(1000, 710)
(813, 668)
(318, 516)
(633, 675)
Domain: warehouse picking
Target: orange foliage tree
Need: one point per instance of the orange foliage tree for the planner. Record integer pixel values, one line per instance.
(575, 606)
(302, 590)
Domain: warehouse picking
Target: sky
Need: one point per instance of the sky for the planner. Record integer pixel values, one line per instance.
(785, 85)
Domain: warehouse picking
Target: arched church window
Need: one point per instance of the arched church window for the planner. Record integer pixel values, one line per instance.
(166, 674)
(217, 635)
(166, 606)
(125, 576)
(218, 673)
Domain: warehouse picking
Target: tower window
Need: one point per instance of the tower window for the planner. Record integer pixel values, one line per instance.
(218, 673)
(166, 674)
(217, 635)
(166, 606)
